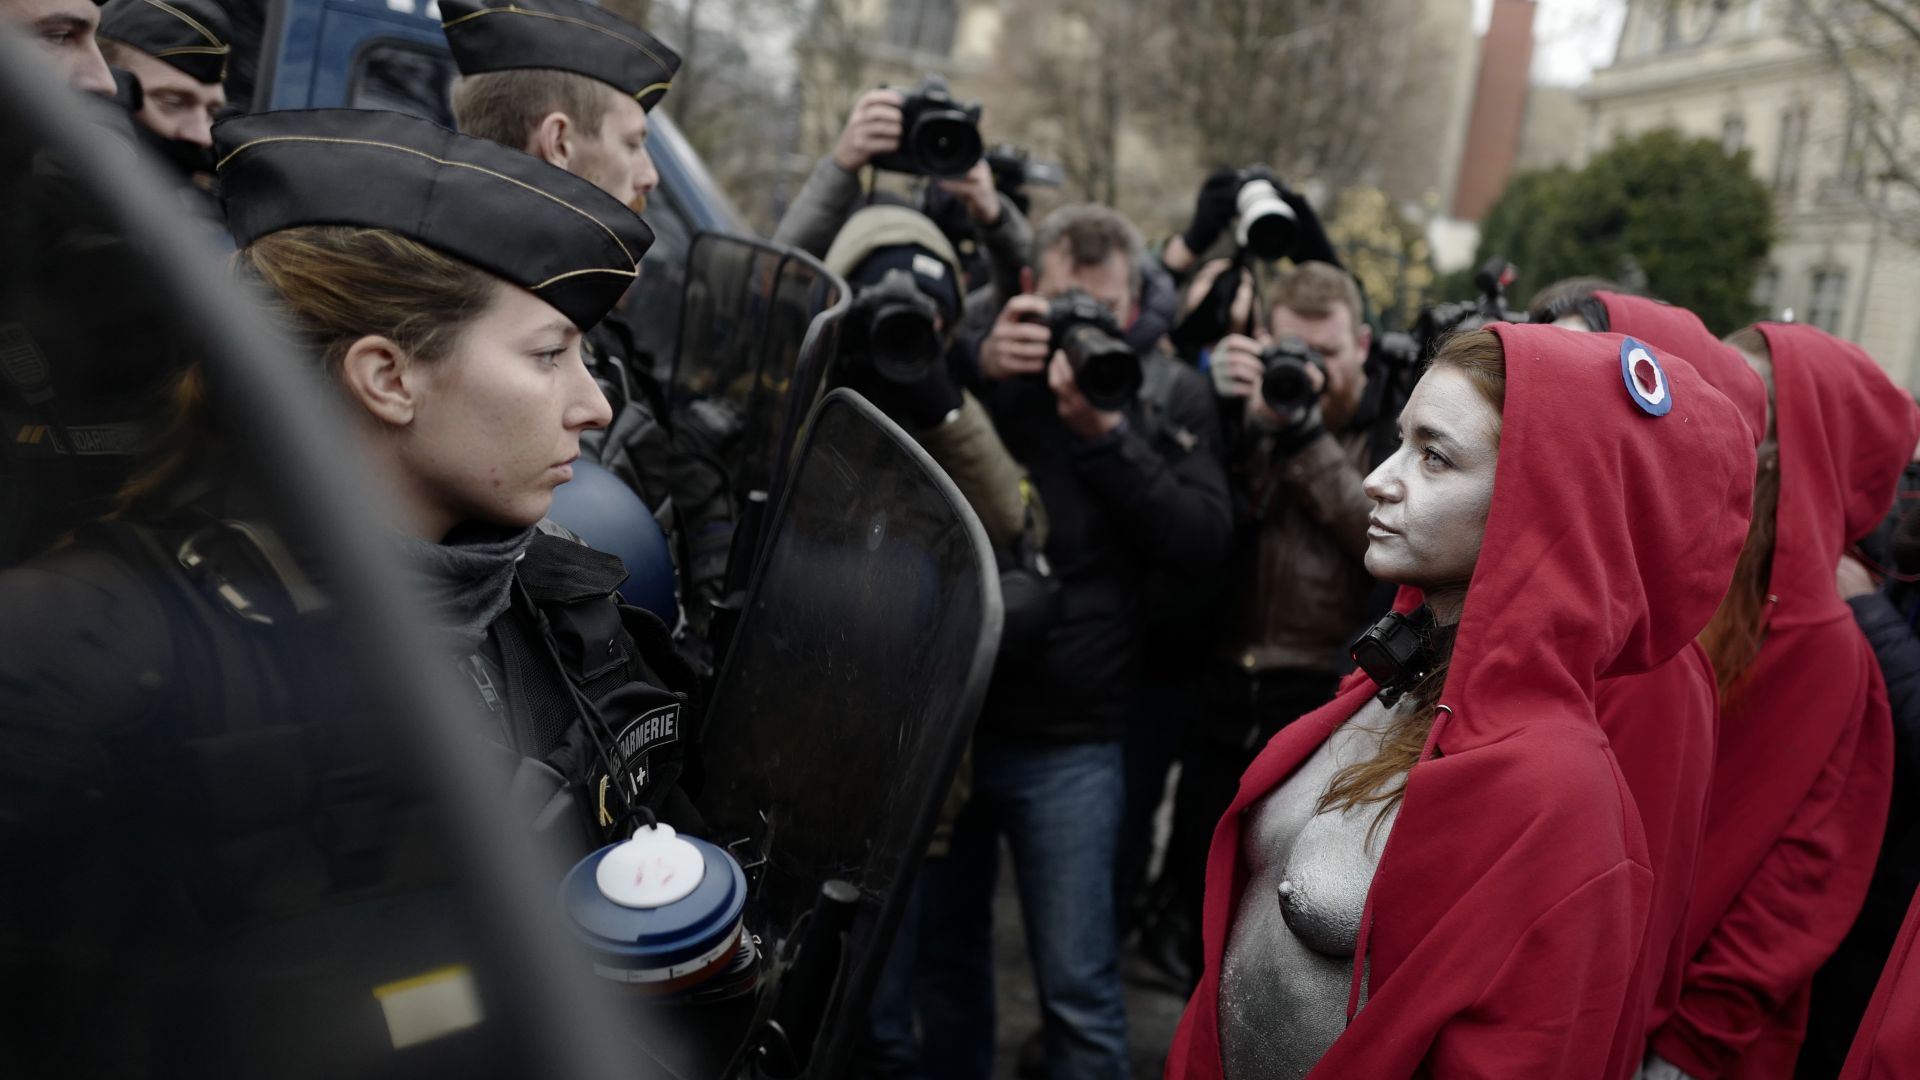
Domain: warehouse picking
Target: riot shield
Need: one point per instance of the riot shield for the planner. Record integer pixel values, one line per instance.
(330, 885)
(753, 319)
(852, 687)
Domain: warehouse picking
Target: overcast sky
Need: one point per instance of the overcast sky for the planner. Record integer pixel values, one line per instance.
(1570, 37)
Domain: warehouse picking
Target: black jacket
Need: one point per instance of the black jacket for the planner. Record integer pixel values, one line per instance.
(1150, 497)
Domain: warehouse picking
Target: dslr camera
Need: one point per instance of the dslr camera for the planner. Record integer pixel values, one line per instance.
(1286, 386)
(1438, 321)
(939, 137)
(892, 329)
(1263, 223)
(1106, 368)
(1014, 170)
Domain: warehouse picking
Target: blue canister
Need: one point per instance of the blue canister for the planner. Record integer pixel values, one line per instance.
(661, 913)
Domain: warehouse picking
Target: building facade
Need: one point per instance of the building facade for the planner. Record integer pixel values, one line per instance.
(1752, 74)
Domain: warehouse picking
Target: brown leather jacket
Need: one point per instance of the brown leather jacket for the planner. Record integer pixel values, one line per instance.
(1302, 551)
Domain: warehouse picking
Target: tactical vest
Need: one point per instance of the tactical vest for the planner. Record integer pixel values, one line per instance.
(265, 755)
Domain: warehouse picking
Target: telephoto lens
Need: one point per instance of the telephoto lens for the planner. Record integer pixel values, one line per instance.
(892, 328)
(1286, 386)
(1265, 223)
(1105, 366)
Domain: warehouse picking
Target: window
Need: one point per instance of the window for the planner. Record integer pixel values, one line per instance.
(1829, 297)
(1733, 135)
(1853, 157)
(1793, 136)
(923, 26)
(404, 78)
(1766, 286)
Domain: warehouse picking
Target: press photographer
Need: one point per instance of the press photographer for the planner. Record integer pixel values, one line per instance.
(893, 350)
(1131, 483)
(1262, 221)
(1313, 416)
(921, 132)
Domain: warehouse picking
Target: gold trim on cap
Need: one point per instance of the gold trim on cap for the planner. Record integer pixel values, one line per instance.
(193, 50)
(663, 87)
(577, 273)
(510, 9)
(189, 20)
(615, 237)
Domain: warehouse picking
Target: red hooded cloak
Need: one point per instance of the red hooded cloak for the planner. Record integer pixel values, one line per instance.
(1803, 773)
(1888, 1044)
(1664, 724)
(1505, 922)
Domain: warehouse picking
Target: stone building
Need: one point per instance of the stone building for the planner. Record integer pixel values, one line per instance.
(1750, 74)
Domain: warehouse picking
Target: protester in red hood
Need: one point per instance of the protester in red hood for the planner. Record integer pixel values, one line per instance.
(1888, 1045)
(1492, 923)
(1664, 724)
(1804, 768)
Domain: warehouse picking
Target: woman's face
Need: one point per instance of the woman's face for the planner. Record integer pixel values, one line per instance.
(1430, 499)
(495, 424)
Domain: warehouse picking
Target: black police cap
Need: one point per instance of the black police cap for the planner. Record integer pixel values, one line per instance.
(192, 35)
(559, 35)
(530, 223)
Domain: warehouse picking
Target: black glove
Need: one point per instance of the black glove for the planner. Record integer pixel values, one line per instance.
(1310, 241)
(1213, 210)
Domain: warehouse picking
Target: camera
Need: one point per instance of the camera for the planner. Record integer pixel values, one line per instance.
(1438, 321)
(1106, 368)
(940, 136)
(1263, 223)
(892, 327)
(1014, 170)
(1286, 386)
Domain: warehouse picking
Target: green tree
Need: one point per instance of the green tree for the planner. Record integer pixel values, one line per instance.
(1672, 216)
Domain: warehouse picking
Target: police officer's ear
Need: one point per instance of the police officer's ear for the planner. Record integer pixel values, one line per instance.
(381, 379)
(555, 139)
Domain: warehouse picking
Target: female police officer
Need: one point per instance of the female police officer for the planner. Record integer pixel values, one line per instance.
(179, 717)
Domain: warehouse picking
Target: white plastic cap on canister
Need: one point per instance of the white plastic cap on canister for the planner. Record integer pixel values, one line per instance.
(652, 870)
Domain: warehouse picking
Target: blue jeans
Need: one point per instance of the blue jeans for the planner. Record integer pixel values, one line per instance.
(891, 1050)
(1059, 808)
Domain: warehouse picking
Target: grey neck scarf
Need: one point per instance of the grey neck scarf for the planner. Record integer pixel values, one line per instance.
(467, 581)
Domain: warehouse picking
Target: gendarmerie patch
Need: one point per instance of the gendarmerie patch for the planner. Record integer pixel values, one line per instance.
(632, 749)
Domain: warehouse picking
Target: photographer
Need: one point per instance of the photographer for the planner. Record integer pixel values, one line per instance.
(1122, 450)
(875, 130)
(1224, 200)
(1300, 393)
(893, 351)
(893, 348)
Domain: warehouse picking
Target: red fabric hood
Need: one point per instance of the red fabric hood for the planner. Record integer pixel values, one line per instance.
(1566, 588)
(1845, 433)
(1803, 771)
(1504, 925)
(1680, 331)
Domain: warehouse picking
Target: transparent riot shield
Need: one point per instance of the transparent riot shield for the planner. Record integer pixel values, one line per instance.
(851, 690)
(754, 318)
(245, 827)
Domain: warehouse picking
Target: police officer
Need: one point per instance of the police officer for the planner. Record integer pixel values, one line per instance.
(178, 49)
(572, 84)
(186, 741)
